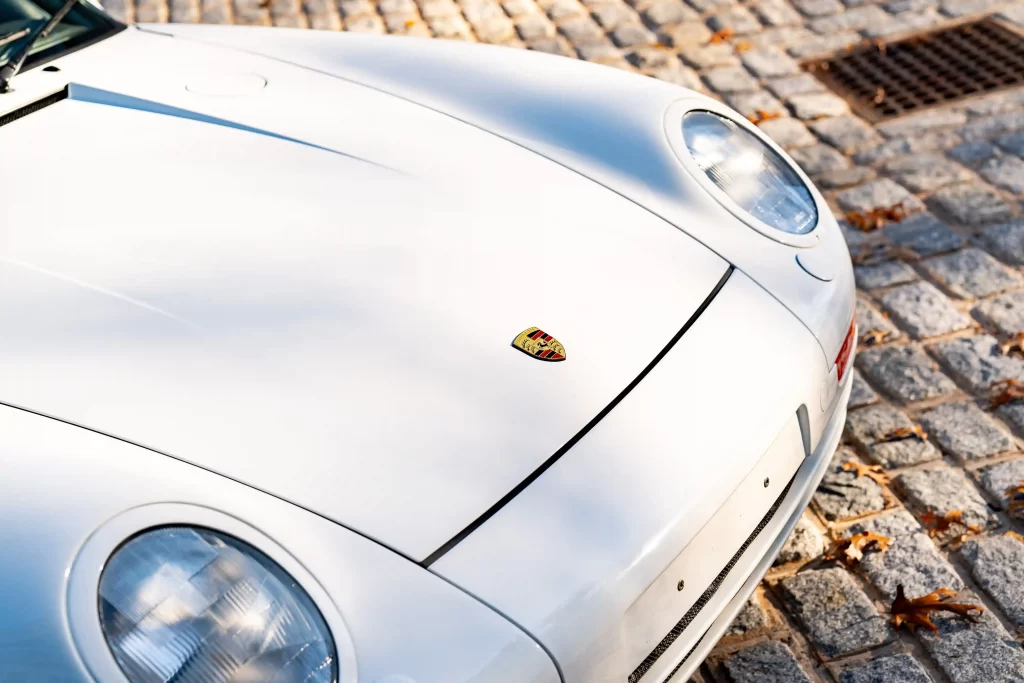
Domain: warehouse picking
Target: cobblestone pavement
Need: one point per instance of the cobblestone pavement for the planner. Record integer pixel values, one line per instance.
(939, 290)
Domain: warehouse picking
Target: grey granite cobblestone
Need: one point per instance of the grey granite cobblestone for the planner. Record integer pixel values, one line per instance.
(846, 133)
(904, 373)
(925, 172)
(804, 543)
(978, 362)
(911, 560)
(924, 311)
(871, 429)
(997, 479)
(971, 203)
(843, 495)
(941, 490)
(965, 431)
(997, 565)
(1006, 241)
(924, 234)
(971, 273)
(768, 662)
(815, 105)
(869, 319)
(880, 193)
(974, 653)
(902, 668)
(751, 618)
(838, 616)
(788, 132)
(861, 394)
(885, 274)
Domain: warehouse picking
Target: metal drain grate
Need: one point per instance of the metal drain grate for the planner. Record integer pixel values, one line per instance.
(891, 79)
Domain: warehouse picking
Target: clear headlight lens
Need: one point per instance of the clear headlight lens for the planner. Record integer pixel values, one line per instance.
(191, 605)
(752, 174)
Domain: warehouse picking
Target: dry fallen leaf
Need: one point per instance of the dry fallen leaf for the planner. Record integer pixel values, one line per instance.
(866, 221)
(722, 35)
(904, 433)
(1013, 344)
(1015, 535)
(939, 524)
(1015, 508)
(850, 550)
(760, 115)
(409, 23)
(874, 472)
(743, 46)
(917, 611)
(873, 337)
(1011, 391)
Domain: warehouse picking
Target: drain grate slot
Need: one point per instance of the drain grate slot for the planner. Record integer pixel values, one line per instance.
(891, 79)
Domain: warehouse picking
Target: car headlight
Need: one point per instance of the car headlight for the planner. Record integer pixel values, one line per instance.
(187, 604)
(749, 172)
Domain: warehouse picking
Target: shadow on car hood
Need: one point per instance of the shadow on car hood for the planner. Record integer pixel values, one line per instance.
(313, 287)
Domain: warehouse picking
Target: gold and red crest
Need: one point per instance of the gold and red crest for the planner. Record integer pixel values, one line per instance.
(539, 344)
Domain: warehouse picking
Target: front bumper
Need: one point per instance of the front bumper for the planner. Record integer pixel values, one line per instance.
(753, 560)
(616, 545)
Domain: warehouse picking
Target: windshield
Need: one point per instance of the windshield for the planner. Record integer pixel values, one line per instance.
(83, 25)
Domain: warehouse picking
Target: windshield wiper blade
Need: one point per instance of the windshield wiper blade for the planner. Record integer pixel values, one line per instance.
(13, 65)
(15, 35)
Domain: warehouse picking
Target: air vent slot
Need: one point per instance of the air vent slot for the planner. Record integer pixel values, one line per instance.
(32, 107)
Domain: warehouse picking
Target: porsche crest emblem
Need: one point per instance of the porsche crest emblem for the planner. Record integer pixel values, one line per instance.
(539, 344)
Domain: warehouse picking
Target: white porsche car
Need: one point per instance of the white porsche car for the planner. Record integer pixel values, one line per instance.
(335, 358)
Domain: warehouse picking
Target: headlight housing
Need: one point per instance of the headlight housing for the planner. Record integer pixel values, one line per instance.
(750, 173)
(189, 604)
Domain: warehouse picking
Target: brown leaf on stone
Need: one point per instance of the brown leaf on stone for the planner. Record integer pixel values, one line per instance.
(870, 254)
(904, 433)
(1014, 345)
(1015, 494)
(874, 472)
(936, 524)
(874, 337)
(722, 35)
(760, 115)
(1014, 535)
(1004, 392)
(866, 221)
(917, 611)
(743, 46)
(850, 551)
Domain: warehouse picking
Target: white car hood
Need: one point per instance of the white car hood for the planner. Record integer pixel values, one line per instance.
(312, 286)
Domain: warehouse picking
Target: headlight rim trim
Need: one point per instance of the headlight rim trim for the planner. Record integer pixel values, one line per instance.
(82, 581)
(673, 127)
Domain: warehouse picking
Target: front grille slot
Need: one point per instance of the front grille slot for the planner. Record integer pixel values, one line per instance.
(705, 597)
(33, 107)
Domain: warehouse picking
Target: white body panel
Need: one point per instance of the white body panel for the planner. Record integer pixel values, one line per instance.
(605, 124)
(315, 319)
(568, 557)
(68, 483)
(299, 261)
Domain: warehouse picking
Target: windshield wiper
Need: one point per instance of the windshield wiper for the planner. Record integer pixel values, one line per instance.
(13, 65)
(15, 35)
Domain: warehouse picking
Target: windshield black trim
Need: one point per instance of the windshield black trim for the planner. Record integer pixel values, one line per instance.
(478, 522)
(63, 49)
